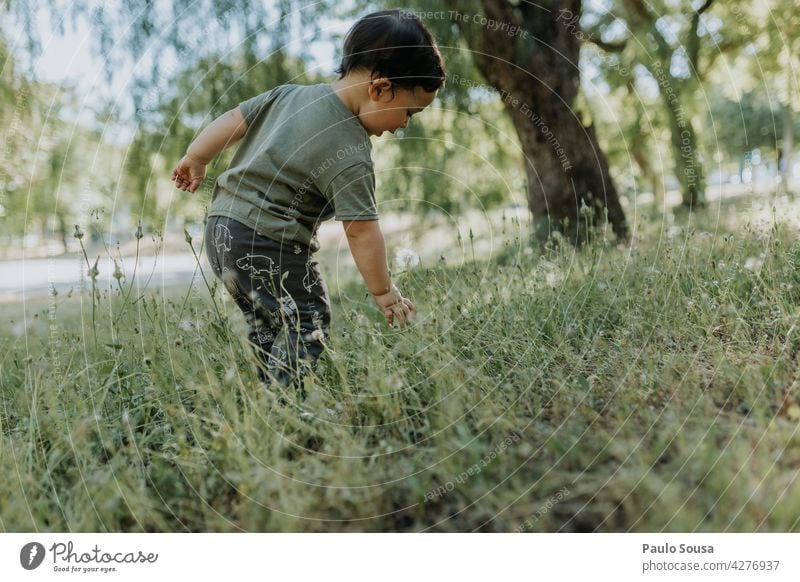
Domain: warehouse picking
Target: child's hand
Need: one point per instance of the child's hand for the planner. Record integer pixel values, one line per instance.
(188, 174)
(395, 307)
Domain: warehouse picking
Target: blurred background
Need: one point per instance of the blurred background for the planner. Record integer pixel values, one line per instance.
(624, 108)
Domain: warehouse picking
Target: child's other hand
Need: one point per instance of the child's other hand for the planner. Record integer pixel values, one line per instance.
(396, 307)
(188, 174)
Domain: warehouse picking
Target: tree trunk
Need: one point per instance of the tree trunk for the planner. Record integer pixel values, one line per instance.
(788, 145)
(531, 57)
(62, 231)
(688, 169)
(566, 170)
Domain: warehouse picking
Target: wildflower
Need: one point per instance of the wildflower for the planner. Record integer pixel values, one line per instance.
(139, 234)
(186, 324)
(408, 258)
(395, 381)
(117, 271)
(554, 277)
(317, 335)
(230, 374)
(78, 232)
(753, 264)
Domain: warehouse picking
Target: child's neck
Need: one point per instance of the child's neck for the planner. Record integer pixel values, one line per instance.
(352, 90)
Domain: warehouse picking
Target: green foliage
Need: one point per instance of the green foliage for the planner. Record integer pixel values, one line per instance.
(744, 125)
(449, 160)
(652, 387)
(49, 164)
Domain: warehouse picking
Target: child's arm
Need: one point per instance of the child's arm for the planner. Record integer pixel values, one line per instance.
(369, 252)
(219, 134)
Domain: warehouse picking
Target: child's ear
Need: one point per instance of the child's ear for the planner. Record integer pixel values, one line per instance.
(381, 89)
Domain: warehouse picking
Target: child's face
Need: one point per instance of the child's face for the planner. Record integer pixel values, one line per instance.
(390, 108)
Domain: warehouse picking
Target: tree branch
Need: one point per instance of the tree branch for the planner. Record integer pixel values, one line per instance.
(647, 20)
(610, 47)
(706, 5)
(693, 42)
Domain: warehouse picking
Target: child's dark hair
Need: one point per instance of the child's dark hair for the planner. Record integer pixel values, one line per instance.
(394, 44)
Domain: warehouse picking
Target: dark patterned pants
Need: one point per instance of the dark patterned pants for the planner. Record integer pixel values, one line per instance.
(281, 292)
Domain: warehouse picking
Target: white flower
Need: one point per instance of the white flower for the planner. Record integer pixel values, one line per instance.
(189, 324)
(553, 278)
(753, 264)
(408, 258)
(317, 335)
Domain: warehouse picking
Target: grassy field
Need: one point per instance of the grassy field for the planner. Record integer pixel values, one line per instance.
(646, 387)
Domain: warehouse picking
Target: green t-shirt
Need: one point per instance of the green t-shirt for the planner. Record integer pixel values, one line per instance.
(304, 159)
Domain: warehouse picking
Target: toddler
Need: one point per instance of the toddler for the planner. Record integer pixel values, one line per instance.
(305, 157)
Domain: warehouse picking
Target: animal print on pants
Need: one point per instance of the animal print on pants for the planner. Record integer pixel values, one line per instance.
(281, 293)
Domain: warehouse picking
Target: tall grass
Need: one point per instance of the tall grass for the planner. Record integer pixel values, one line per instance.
(643, 387)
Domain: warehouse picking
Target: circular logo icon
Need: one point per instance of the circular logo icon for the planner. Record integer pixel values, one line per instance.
(31, 555)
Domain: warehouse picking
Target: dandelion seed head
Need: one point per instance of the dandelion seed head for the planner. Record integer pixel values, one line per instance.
(186, 324)
(407, 258)
(753, 264)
